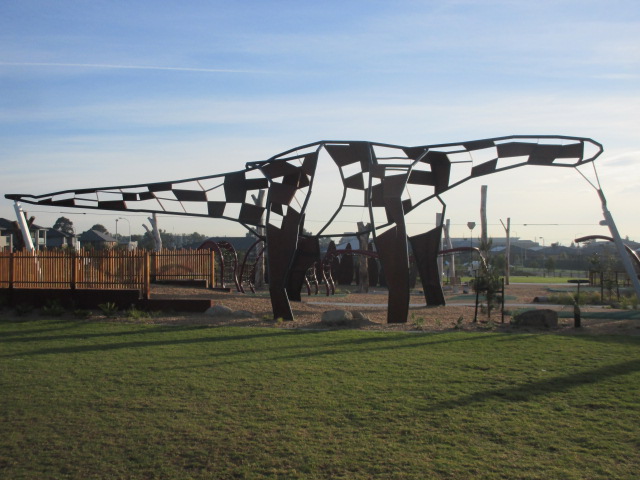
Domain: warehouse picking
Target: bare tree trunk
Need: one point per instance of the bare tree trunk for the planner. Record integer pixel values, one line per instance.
(363, 268)
(483, 214)
(155, 232)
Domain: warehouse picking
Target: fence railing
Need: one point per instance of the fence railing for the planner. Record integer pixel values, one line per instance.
(183, 265)
(103, 269)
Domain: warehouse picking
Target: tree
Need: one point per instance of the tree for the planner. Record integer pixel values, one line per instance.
(64, 225)
(100, 228)
(550, 265)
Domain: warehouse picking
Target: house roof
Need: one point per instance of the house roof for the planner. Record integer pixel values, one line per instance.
(52, 233)
(239, 243)
(8, 225)
(96, 236)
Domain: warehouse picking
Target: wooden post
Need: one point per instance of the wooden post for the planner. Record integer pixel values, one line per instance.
(74, 270)
(11, 269)
(363, 267)
(212, 266)
(146, 267)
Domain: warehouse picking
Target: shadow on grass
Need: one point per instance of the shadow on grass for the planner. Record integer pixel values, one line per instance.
(539, 388)
(141, 343)
(374, 340)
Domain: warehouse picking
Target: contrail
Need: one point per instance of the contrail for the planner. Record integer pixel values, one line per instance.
(127, 67)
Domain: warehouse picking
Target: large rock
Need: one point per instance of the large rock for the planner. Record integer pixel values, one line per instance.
(539, 318)
(219, 310)
(336, 318)
(359, 316)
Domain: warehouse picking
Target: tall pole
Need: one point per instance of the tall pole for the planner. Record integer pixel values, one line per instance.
(24, 227)
(624, 256)
(128, 224)
(507, 255)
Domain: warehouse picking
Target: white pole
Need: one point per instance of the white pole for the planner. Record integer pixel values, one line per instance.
(24, 227)
(624, 256)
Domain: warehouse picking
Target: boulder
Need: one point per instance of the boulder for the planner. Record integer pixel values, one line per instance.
(539, 318)
(336, 318)
(359, 316)
(243, 314)
(219, 310)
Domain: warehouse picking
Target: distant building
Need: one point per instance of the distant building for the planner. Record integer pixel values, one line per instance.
(10, 228)
(241, 244)
(58, 239)
(96, 239)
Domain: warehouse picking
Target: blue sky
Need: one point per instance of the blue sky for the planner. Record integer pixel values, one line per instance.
(107, 93)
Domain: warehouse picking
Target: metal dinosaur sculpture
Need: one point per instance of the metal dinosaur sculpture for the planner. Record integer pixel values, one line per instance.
(379, 178)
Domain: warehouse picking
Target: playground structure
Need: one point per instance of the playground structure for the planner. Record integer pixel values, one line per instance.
(383, 177)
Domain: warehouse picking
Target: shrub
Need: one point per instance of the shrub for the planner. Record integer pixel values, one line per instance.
(134, 314)
(109, 308)
(52, 308)
(81, 313)
(23, 309)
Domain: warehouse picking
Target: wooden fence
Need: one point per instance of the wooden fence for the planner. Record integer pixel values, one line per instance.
(103, 269)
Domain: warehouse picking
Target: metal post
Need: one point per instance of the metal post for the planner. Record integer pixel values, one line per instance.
(624, 257)
(24, 227)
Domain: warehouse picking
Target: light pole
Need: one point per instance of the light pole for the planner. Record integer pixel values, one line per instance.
(129, 225)
(471, 226)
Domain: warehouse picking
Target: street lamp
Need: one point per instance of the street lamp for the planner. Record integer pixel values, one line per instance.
(129, 225)
(471, 226)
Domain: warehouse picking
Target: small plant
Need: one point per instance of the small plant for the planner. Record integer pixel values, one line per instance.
(134, 314)
(279, 321)
(108, 308)
(52, 308)
(81, 313)
(628, 302)
(459, 323)
(419, 322)
(23, 309)
(438, 322)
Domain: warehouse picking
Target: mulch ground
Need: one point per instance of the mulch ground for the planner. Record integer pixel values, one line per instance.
(458, 314)
(453, 316)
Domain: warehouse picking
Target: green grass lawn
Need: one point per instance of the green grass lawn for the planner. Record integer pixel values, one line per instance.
(105, 400)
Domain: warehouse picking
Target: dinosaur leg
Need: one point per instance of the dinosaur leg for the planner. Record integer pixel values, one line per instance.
(281, 248)
(392, 252)
(307, 253)
(425, 250)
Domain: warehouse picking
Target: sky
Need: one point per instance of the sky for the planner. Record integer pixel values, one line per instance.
(105, 93)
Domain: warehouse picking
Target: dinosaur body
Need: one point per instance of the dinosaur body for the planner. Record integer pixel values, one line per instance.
(378, 176)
